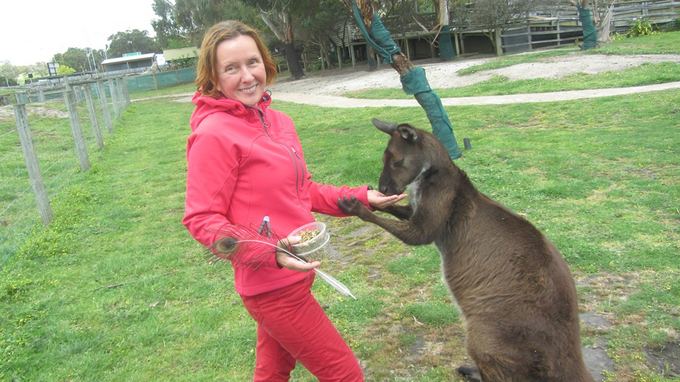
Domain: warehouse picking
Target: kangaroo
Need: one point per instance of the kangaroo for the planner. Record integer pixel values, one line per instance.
(513, 287)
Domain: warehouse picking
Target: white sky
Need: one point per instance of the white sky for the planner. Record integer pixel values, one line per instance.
(35, 30)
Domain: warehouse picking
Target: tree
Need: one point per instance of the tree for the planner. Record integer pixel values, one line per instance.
(75, 58)
(131, 41)
(194, 17)
(8, 73)
(183, 23)
(167, 31)
(413, 79)
(323, 31)
(64, 70)
(281, 16)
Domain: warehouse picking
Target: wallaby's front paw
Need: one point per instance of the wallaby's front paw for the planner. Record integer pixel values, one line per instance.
(350, 206)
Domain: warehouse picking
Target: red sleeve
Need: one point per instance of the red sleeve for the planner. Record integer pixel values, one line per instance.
(325, 197)
(212, 170)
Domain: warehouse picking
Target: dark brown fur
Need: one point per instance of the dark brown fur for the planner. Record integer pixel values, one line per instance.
(512, 285)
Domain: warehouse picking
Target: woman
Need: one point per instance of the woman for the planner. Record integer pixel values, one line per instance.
(245, 167)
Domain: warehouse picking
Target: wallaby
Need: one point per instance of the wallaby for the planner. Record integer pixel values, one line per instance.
(513, 287)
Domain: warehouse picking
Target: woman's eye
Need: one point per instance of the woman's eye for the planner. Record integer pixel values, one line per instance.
(230, 69)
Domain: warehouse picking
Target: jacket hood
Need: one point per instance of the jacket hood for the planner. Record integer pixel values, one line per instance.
(206, 105)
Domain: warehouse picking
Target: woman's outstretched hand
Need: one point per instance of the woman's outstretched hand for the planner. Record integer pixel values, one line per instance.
(286, 261)
(379, 201)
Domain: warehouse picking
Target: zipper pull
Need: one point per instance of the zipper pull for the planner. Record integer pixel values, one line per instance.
(264, 227)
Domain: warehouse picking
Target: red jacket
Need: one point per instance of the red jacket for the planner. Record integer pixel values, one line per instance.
(246, 163)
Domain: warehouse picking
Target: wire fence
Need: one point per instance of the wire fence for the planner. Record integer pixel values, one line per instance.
(39, 133)
(48, 131)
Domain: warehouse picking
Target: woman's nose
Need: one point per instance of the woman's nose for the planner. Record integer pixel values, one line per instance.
(247, 75)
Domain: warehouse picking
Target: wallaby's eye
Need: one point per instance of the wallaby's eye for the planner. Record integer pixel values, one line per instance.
(398, 163)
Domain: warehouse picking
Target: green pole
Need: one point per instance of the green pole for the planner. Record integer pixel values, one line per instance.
(589, 31)
(414, 81)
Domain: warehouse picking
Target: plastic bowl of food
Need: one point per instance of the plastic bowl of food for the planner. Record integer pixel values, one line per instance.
(313, 237)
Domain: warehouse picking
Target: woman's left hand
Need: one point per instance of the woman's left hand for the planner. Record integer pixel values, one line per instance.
(379, 201)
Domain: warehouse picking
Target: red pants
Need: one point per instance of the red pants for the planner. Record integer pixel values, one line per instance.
(291, 326)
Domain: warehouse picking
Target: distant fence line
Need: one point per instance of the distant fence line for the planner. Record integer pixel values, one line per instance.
(112, 91)
(72, 93)
(563, 27)
(159, 80)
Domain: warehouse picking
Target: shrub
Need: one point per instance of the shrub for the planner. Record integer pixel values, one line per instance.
(640, 27)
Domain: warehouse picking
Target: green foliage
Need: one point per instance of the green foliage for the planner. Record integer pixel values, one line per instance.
(641, 27)
(7, 81)
(64, 70)
(131, 41)
(657, 43)
(81, 60)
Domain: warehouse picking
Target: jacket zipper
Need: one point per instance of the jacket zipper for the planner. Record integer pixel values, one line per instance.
(291, 152)
(302, 178)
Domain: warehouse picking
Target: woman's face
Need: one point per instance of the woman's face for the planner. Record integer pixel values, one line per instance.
(240, 70)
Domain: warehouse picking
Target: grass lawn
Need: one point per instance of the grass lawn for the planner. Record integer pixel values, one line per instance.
(116, 290)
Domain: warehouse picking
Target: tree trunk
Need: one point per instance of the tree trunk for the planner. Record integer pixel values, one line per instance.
(413, 79)
(446, 50)
(283, 30)
(293, 60)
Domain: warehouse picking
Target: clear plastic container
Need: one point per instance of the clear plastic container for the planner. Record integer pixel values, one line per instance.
(314, 237)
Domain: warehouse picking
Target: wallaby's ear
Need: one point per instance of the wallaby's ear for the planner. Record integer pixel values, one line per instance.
(408, 132)
(385, 127)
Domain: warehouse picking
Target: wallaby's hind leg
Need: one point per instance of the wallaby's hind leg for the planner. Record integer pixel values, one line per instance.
(471, 374)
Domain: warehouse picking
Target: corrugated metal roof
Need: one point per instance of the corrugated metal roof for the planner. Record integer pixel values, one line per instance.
(128, 58)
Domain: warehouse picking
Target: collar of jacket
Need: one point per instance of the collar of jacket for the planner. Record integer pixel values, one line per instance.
(233, 107)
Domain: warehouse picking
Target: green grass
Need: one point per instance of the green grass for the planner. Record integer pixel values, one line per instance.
(658, 43)
(115, 289)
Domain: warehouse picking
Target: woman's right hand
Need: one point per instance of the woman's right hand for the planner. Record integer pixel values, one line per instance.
(288, 262)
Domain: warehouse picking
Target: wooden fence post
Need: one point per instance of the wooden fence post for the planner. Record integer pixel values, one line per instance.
(93, 115)
(32, 161)
(114, 97)
(79, 141)
(155, 81)
(124, 88)
(106, 113)
(120, 95)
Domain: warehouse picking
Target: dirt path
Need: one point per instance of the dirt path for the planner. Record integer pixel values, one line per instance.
(344, 102)
(444, 74)
(326, 88)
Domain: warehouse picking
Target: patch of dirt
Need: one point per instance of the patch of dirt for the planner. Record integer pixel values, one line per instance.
(444, 74)
(665, 359)
(7, 112)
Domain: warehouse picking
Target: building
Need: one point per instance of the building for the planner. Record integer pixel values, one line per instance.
(129, 61)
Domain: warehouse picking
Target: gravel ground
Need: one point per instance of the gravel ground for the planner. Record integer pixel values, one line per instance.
(443, 74)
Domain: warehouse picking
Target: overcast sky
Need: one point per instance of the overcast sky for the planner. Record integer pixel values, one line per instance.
(35, 30)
